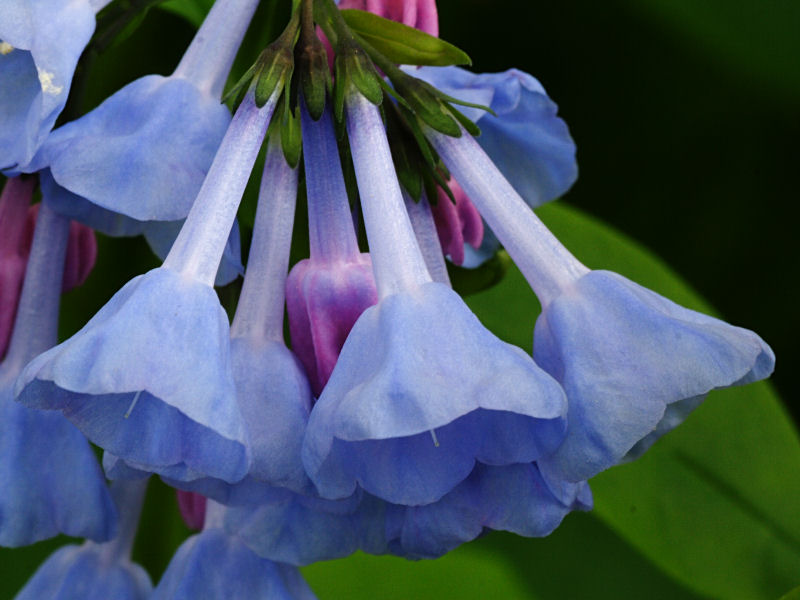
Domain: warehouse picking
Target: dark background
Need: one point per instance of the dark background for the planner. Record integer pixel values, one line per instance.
(685, 116)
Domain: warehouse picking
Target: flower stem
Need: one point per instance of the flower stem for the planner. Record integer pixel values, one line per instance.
(330, 223)
(396, 258)
(198, 249)
(209, 57)
(547, 265)
(260, 308)
(36, 324)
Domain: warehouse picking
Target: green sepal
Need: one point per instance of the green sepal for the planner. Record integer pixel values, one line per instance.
(355, 68)
(273, 68)
(315, 78)
(402, 44)
(466, 123)
(423, 99)
(291, 137)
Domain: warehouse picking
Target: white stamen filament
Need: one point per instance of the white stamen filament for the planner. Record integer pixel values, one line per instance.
(133, 404)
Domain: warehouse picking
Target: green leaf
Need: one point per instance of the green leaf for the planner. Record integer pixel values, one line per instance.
(758, 39)
(466, 574)
(793, 595)
(193, 11)
(714, 503)
(402, 44)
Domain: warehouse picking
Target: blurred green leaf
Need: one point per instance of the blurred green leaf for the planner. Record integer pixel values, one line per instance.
(193, 11)
(758, 37)
(714, 503)
(793, 595)
(402, 44)
(466, 574)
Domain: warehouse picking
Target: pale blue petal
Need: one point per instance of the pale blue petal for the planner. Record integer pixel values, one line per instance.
(86, 573)
(144, 152)
(215, 566)
(149, 379)
(48, 37)
(49, 477)
(623, 354)
(420, 392)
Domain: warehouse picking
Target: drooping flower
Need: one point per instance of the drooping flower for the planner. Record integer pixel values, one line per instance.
(623, 354)
(49, 475)
(40, 44)
(272, 390)
(216, 565)
(525, 138)
(414, 400)
(144, 152)
(327, 292)
(97, 571)
(149, 378)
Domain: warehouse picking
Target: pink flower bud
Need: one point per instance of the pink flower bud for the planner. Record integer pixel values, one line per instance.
(193, 508)
(457, 223)
(323, 301)
(420, 14)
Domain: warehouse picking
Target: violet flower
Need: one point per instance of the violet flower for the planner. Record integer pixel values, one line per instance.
(149, 378)
(624, 354)
(97, 571)
(415, 399)
(214, 564)
(144, 152)
(49, 475)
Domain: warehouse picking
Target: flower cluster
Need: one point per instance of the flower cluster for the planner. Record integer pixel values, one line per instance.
(397, 423)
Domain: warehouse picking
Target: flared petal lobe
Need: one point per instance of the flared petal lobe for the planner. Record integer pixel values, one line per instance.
(143, 153)
(421, 392)
(40, 44)
(149, 379)
(50, 478)
(633, 364)
(514, 498)
(86, 573)
(215, 566)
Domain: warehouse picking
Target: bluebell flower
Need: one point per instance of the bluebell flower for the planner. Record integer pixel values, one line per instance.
(214, 565)
(50, 478)
(149, 378)
(40, 44)
(516, 498)
(272, 389)
(328, 291)
(144, 152)
(415, 399)
(97, 571)
(527, 140)
(623, 354)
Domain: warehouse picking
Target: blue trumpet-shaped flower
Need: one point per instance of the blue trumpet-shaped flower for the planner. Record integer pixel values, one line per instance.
(149, 378)
(272, 390)
(624, 354)
(49, 475)
(214, 565)
(97, 571)
(144, 152)
(415, 398)
(40, 44)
